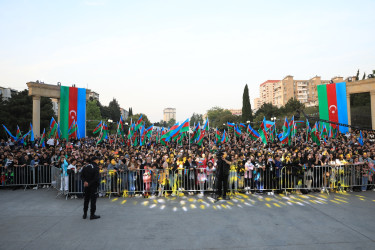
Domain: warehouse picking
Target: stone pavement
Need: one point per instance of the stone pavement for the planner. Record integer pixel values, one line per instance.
(35, 219)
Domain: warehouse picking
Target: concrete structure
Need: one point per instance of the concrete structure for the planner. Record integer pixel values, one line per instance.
(168, 114)
(124, 113)
(362, 86)
(266, 91)
(257, 104)
(37, 90)
(237, 112)
(7, 93)
(93, 95)
(36, 219)
(279, 92)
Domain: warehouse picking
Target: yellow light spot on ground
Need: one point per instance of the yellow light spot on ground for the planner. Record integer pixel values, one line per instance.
(145, 203)
(361, 199)
(359, 196)
(214, 207)
(373, 200)
(335, 202)
(123, 202)
(313, 201)
(193, 206)
(268, 199)
(223, 206)
(268, 205)
(230, 203)
(282, 195)
(276, 205)
(202, 207)
(282, 203)
(190, 199)
(200, 200)
(155, 201)
(115, 199)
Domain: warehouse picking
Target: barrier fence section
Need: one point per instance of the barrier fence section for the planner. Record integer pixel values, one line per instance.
(159, 182)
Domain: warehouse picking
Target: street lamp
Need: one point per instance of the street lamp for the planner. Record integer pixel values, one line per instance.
(248, 122)
(273, 119)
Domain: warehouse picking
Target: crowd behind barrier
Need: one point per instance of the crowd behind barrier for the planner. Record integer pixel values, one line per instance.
(154, 169)
(154, 182)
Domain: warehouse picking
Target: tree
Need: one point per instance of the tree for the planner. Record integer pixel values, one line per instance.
(357, 76)
(171, 122)
(114, 110)
(293, 105)
(195, 118)
(219, 116)
(18, 111)
(247, 114)
(267, 110)
(130, 111)
(364, 76)
(93, 116)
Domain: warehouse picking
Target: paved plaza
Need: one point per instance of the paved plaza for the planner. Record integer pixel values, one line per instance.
(35, 219)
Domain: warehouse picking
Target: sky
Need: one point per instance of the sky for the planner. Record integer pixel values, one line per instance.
(189, 55)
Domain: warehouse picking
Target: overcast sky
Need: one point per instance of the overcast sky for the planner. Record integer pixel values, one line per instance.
(190, 55)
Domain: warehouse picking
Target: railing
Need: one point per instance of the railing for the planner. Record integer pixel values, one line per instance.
(161, 182)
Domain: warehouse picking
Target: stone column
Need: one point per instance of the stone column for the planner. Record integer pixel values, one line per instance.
(349, 112)
(372, 96)
(58, 110)
(36, 116)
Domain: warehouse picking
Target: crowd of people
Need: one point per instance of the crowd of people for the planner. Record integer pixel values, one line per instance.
(157, 170)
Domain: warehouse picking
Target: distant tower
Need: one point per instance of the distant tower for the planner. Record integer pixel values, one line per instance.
(169, 113)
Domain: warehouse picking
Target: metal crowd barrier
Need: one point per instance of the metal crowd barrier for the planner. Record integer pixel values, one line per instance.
(25, 175)
(197, 181)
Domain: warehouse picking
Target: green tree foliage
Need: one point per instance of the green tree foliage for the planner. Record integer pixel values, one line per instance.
(171, 122)
(247, 114)
(93, 116)
(114, 110)
(364, 76)
(357, 76)
(130, 111)
(195, 118)
(18, 111)
(293, 105)
(219, 116)
(267, 110)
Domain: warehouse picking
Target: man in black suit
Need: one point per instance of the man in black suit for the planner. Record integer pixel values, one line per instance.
(90, 178)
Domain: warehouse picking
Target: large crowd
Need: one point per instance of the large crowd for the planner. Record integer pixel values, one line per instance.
(155, 169)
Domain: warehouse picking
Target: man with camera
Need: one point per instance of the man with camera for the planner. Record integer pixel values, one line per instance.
(222, 173)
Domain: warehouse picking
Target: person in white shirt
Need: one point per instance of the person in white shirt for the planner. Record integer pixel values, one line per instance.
(72, 170)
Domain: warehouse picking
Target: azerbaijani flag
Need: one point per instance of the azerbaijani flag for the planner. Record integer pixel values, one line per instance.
(18, 134)
(217, 135)
(224, 138)
(253, 133)
(32, 133)
(206, 125)
(42, 139)
(185, 126)
(72, 108)
(333, 104)
(360, 138)
(231, 125)
(98, 128)
(52, 127)
(138, 124)
(237, 131)
(13, 138)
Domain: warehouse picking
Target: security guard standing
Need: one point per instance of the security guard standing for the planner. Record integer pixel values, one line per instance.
(222, 173)
(90, 178)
